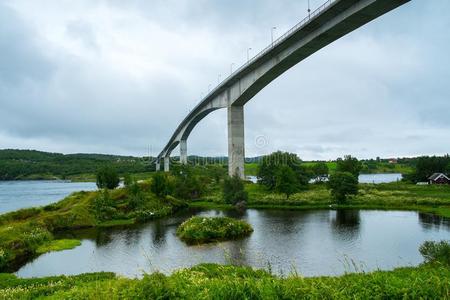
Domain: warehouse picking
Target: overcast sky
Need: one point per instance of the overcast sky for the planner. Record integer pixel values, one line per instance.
(118, 76)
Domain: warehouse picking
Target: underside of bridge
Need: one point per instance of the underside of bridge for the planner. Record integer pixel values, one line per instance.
(331, 21)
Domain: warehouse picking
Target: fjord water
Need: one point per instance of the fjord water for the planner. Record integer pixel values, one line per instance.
(311, 243)
(15, 195)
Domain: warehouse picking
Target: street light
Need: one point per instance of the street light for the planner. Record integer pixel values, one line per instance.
(218, 78)
(248, 54)
(309, 10)
(273, 29)
(209, 88)
(231, 68)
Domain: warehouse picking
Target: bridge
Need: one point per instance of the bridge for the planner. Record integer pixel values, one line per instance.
(331, 21)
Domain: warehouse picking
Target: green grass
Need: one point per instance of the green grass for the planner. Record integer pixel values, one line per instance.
(251, 169)
(58, 245)
(398, 195)
(200, 230)
(210, 281)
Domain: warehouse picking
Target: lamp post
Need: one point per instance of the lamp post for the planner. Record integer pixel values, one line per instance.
(272, 30)
(218, 79)
(231, 68)
(309, 10)
(248, 54)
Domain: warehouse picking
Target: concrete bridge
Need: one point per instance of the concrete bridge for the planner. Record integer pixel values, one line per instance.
(331, 21)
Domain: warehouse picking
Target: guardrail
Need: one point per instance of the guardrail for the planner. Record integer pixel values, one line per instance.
(275, 43)
(282, 38)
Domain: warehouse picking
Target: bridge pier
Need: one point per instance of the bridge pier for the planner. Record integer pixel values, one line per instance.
(183, 152)
(158, 166)
(236, 141)
(166, 163)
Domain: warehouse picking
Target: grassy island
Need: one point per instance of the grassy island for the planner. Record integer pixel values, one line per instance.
(200, 230)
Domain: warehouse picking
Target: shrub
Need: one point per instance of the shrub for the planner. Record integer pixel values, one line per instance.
(161, 184)
(104, 206)
(37, 236)
(107, 178)
(342, 184)
(189, 186)
(233, 190)
(436, 252)
(137, 199)
(199, 230)
(4, 258)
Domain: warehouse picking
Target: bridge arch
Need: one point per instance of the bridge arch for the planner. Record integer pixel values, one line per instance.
(331, 21)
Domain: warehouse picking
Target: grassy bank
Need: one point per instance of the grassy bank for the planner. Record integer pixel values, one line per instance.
(432, 198)
(210, 281)
(27, 233)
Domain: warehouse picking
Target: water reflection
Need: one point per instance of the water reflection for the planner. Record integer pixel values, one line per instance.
(430, 221)
(310, 242)
(346, 221)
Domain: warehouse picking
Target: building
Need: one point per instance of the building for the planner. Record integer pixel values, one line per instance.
(438, 178)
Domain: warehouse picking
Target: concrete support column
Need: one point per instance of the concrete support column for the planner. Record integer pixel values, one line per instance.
(158, 166)
(236, 142)
(166, 163)
(183, 152)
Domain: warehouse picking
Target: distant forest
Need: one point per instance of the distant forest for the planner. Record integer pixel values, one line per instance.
(31, 164)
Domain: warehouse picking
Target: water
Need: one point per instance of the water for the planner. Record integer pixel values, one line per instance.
(310, 242)
(380, 178)
(15, 195)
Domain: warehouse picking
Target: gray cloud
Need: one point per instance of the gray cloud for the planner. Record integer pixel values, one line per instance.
(117, 77)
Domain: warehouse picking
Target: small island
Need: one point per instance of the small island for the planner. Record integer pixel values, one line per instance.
(201, 230)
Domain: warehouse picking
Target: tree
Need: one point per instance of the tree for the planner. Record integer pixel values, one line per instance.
(161, 184)
(188, 183)
(107, 178)
(349, 164)
(320, 169)
(286, 181)
(234, 190)
(128, 180)
(427, 166)
(270, 164)
(343, 184)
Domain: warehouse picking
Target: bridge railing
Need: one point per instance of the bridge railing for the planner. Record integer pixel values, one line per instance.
(282, 38)
(275, 43)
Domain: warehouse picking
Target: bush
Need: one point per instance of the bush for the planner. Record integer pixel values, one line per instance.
(199, 230)
(161, 184)
(137, 199)
(436, 252)
(104, 206)
(4, 258)
(107, 178)
(37, 236)
(188, 184)
(342, 184)
(233, 190)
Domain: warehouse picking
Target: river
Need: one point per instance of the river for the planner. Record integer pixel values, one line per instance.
(311, 243)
